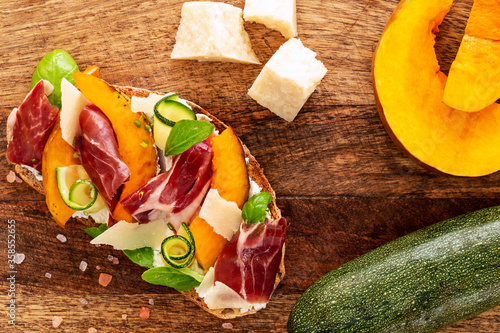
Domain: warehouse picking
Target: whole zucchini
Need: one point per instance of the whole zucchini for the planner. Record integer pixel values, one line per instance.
(421, 282)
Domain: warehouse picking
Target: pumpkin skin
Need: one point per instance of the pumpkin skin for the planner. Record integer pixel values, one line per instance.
(474, 78)
(409, 89)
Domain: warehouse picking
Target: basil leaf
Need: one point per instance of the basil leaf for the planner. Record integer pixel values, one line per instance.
(181, 279)
(143, 257)
(53, 67)
(185, 134)
(94, 232)
(254, 210)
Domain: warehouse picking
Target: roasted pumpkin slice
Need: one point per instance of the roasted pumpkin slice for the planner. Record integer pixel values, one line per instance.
(409, 89)
(135, 143)
(57, 153)
(474, 78)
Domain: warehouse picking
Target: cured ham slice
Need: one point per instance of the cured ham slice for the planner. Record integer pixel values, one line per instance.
(250, 260)
(99, 153)
(177, 194)
(32, 124)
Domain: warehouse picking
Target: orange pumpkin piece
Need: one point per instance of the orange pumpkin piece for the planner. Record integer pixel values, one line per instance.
(230, 174)
(57, 153)
(409, 91)
(474, 78)
(135, 144)
(209, 244)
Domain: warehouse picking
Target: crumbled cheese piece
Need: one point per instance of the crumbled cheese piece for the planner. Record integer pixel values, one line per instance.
(61, 238)
(48, 88)
(288, 79)
(212, 31)
(19, 258)
(105, 279)
(130, 236)
(278, 15)
(72, 104)
(56, 321)
(254, 188)
(83, 266)
(224, 216)
(146, 105)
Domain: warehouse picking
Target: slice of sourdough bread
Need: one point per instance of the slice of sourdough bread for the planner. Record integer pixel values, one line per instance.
(255, 173)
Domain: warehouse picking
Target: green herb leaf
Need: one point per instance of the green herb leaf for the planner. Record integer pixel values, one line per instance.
(181, 279)
(143, 257)
(53, 67)
(94, 232)
(185, 134)
(254, 210)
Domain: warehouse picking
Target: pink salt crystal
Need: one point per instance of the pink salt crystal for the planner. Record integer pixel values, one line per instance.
(18, 180)
(92, 330)
(227, 325)
(61, 238)
(124, 316)
(56, 321)
(97, 267)
(104, 279)
(144, 313)
(83, 301)
(11, 176)
(116, 261)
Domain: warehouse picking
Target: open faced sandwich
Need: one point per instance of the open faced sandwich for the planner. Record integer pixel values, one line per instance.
(157, 177)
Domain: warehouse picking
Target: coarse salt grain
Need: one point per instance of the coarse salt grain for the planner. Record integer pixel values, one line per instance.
(110, 257)
(104, 279)
(92, 330)
(144, 313)
(124, 316)
(151, 301)
(83, 301)
(61, 238)
(48, 275)
(116, 261)
(11, 176)
(83, 266)
(56, 321)
(97, 267)
(227, 325)
(19, 258)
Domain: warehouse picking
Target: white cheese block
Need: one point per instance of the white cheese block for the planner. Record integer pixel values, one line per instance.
(278, 15)
(288, 79)
(212, 31)
(130, 236)
(145, 104)
(224, 216)
(48, 88)
(73, 102)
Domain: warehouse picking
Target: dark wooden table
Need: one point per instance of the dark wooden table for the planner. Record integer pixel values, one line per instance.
(341, 182)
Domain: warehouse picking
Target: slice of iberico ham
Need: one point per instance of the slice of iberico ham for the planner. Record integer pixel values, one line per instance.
(99, 153)
(32, 124)
(250, 260)
(177, 194)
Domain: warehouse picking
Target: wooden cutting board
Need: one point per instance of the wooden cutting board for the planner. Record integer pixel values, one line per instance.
(340, 180)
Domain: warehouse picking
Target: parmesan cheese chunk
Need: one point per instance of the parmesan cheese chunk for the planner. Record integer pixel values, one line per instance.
(73, 102)
(130, 236)
(288, 79)
(278, 15)
(212, 31)
(224, 216)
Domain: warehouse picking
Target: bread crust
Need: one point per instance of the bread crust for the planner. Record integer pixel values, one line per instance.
(255, 173)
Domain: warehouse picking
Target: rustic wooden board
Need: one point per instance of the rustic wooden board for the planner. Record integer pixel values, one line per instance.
(340, 180)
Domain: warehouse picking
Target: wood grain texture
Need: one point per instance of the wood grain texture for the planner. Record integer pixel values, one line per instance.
(334, 168)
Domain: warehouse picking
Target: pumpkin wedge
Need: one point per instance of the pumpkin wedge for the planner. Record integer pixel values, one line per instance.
(474, 78)
(135, 144)
(230, 179)
(409, 89)
(57, 153)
